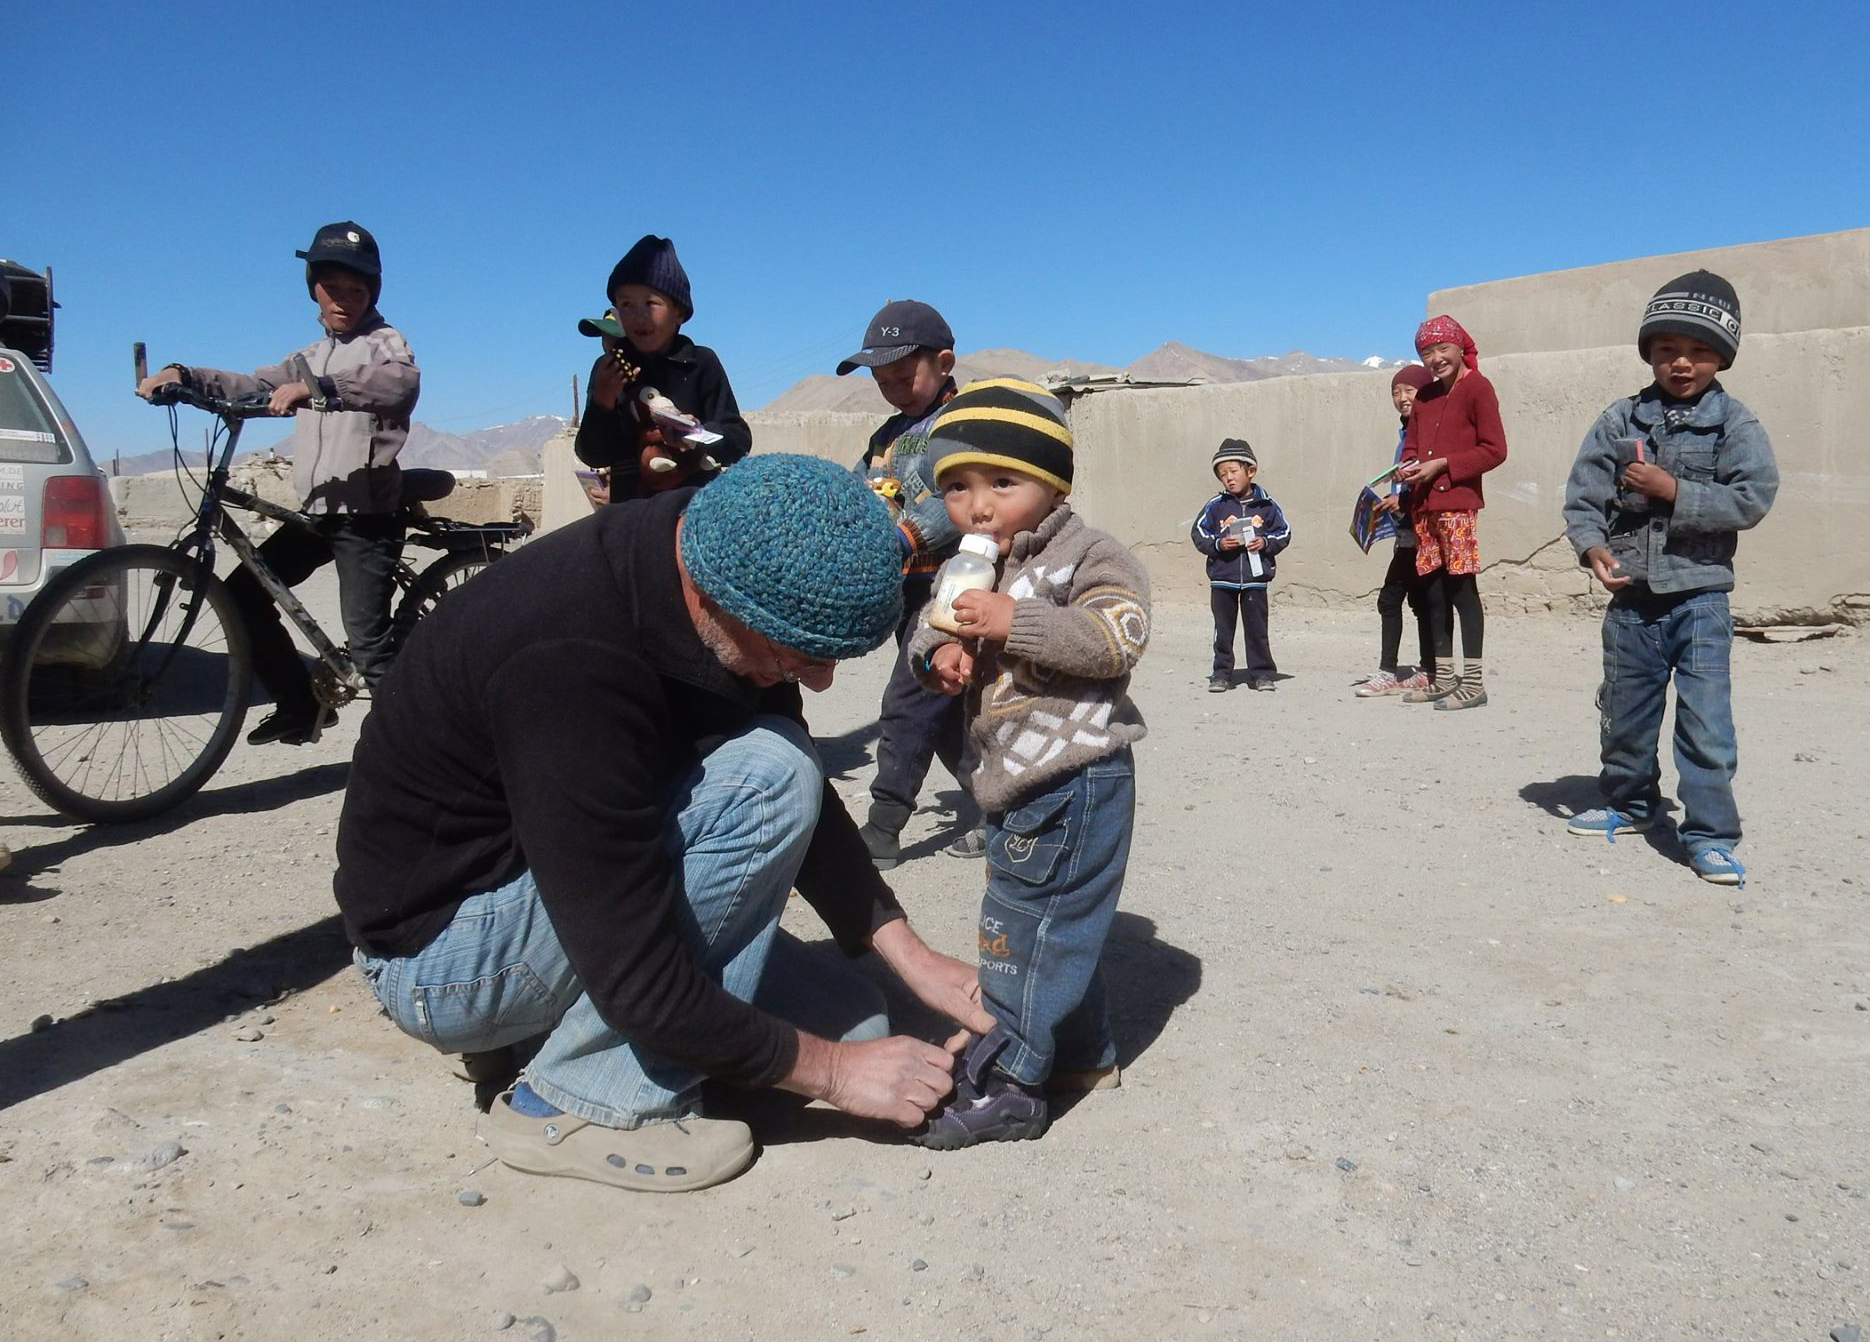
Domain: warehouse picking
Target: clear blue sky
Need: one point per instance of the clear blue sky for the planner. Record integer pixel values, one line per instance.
(1080, 181)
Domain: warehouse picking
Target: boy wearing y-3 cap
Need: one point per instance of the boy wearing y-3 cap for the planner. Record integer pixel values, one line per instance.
(909, 350)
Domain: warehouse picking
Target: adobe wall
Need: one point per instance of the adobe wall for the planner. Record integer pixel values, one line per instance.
(1794, 284)
(1143, 471)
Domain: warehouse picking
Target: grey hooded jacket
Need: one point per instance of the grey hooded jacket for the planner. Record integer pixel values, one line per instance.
(344, 445)
(1725, 480)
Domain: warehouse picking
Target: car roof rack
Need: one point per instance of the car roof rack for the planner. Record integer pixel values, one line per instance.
(26, 309)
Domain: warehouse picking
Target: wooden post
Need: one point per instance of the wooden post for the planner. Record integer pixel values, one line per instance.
(574, 400)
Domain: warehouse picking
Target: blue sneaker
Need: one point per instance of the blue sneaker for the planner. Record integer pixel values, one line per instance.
(1602, 821)
(1719, 866)
(987, 1106)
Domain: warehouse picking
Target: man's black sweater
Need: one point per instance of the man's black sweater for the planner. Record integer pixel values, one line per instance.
(540, 719)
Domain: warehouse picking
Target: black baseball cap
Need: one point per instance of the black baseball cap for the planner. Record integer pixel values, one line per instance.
(902, 327)
(344, 244)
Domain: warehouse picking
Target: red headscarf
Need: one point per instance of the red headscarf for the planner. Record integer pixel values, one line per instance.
(1412, 375)
(1445, 330)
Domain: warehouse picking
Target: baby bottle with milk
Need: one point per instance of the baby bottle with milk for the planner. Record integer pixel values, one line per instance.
(970, 570)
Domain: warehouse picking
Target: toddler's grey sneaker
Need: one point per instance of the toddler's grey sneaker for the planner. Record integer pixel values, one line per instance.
(987, 1106)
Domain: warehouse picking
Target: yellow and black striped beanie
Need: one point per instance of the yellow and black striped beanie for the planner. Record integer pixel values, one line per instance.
(1002, 421)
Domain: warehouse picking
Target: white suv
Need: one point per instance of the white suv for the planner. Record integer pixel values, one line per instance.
(55, 505)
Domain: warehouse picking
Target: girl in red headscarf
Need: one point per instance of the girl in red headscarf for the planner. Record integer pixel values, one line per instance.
(1454, 437)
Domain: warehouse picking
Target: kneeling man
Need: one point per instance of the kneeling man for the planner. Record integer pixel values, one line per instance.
(578, 805)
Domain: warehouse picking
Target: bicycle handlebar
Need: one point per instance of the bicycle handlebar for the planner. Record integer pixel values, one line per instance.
(257, 405)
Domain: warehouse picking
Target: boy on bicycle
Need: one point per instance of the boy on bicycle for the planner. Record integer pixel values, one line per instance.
(353, 392)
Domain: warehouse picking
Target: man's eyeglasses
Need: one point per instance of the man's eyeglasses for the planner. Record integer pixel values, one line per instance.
(794, 666)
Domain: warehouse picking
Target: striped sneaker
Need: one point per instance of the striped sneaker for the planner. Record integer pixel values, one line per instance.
(1383, 682)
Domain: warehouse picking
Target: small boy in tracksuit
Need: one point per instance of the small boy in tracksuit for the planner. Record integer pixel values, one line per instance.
(1241, 531)
(1662, 484)
(351, 394)
(1043, 664)
(646, 362)
(909, 350)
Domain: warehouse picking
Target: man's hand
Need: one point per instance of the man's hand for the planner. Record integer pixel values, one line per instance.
(288, 397)
(606, 384)
(897, 1078)
(1229, 542)
(165, 378)
(951, 668)
(1605, 568)
(1256, 542)
(940, 982)
(984, 615)
(1645, 477)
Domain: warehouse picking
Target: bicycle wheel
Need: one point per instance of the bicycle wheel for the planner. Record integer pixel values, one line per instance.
(435, 582)
(124, 685)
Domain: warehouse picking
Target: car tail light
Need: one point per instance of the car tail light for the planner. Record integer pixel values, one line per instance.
(76, 514)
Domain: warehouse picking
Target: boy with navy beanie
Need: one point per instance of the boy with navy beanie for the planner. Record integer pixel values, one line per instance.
(1662, 485)
(645, 358)
(1241, 531)
(1043, 666)
(909, 350)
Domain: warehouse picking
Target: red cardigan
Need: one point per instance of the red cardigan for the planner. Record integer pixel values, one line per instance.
(1463, 425)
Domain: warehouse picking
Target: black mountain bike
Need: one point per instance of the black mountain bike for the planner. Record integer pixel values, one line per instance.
(127, 679)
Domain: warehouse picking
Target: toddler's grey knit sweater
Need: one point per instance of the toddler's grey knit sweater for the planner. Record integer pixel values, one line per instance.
(1055, 697)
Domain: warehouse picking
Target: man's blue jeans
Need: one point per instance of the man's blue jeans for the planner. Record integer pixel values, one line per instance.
(738, 826)
(1645, 639)
(1055, 867)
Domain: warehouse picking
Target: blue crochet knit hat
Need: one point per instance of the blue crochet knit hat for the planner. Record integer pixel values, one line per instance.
(799, 550)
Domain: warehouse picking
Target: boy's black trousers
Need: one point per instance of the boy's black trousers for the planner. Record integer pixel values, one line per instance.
(914, 726)
(1249, 604)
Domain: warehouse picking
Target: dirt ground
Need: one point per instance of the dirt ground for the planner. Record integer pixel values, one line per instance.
(1401, 1060)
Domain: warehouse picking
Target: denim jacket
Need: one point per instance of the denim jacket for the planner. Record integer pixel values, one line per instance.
(1725, 480)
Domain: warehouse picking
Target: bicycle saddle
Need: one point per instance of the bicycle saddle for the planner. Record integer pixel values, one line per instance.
(421, 485)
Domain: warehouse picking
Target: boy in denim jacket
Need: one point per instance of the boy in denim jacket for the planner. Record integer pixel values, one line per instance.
(1043, 662)
(1660, 487)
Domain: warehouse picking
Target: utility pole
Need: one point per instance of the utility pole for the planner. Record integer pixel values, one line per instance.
(574, 400)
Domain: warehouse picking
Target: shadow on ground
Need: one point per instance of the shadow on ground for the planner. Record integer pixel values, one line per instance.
(120, 1028)
(1147, 978)
(844, 754)
(17, 886)
(1562, 798)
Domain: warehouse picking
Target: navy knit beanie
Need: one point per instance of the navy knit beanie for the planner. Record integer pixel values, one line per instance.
(652, 261)
(799, 550)
(1003, 421)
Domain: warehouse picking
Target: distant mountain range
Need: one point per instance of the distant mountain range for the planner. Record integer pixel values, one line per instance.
(1173, 362)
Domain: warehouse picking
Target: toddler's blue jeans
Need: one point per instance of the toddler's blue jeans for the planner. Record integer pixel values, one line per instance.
(1055, 867)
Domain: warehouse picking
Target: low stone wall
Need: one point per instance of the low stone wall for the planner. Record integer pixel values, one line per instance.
(154, 507)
